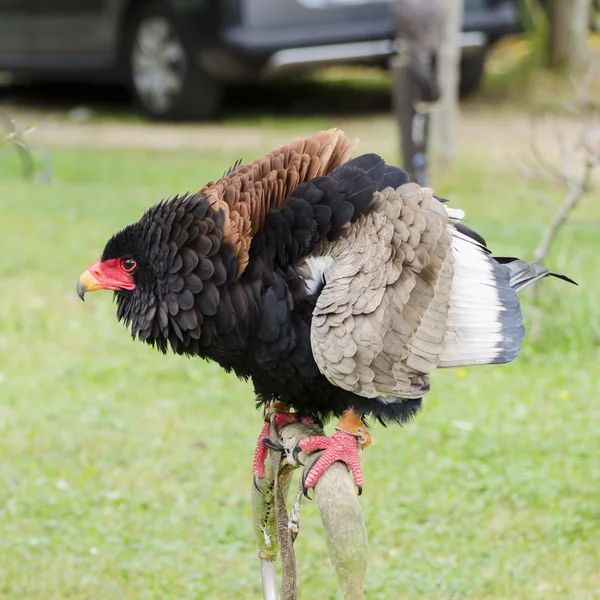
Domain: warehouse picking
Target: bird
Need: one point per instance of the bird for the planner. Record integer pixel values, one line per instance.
(335, 284)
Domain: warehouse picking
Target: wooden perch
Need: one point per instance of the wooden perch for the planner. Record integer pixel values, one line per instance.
(340, 511)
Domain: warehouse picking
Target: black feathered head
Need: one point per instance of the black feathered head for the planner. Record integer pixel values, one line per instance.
(165, 271)
(168, 270)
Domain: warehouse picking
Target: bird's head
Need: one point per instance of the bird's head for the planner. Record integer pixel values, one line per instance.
(165, 271)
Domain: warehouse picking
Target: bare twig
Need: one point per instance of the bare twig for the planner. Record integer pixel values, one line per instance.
(576, 191)
(294, 522)
(546, 169)
(15, 137)
(574, 169)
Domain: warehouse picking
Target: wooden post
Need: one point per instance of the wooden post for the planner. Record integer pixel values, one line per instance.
(418, 25)
(443, 118)
(567, 34)
(412, 125)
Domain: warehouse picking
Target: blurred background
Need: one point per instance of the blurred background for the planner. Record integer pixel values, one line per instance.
(126, 474)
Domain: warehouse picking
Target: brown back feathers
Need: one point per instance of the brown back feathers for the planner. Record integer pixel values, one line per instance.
(249, 192)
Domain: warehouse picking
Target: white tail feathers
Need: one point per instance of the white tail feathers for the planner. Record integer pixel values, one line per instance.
(484, 320)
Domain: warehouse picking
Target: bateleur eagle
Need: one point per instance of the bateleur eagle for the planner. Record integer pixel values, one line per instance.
(336, 285)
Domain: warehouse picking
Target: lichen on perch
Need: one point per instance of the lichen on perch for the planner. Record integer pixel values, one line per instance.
(340, 512)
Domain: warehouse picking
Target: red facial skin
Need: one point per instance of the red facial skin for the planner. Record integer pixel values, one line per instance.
(110, 274)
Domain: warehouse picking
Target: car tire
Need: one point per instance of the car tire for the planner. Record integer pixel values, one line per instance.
(471, 73)
(165, 81)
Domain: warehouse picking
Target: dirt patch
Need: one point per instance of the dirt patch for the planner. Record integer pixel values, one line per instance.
(52, 131)
(497, 135)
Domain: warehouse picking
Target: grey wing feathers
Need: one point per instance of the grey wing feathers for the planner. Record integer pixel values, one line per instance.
(379, 322)
(409, 289)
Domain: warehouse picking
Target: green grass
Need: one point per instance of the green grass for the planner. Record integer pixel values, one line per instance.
(126, 474)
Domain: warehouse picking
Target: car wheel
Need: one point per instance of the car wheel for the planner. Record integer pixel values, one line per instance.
(471, 73)
(166, 82)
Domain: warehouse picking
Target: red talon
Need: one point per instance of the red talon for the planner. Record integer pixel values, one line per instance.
(281, 419)
(344, 445)
(260, 454)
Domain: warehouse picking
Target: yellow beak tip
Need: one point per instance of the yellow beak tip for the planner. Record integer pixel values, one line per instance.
(87, 283)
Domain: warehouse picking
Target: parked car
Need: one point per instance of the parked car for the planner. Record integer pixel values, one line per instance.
(176, 56)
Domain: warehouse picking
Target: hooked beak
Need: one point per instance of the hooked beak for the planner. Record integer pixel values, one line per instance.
(89, 281)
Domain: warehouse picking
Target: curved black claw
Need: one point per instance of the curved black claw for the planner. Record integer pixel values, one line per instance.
(360, 490)
(272, 445)
(256, 486)
(305, 493)
(295, 453)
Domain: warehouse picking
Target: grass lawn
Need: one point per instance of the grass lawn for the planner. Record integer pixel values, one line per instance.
(126, 475)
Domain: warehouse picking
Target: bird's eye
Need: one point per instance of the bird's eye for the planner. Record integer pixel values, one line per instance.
(128, 264)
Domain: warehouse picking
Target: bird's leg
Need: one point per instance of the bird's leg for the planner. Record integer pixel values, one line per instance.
(282, 417)
(345, 445)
